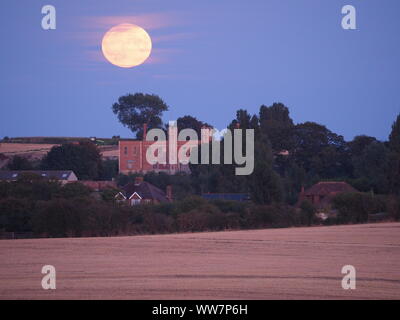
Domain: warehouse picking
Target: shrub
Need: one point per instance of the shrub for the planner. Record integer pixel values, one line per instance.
(355, 207)
(307, 213)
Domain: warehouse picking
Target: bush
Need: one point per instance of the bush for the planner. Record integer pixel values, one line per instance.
(355, 207)
(15, 215)
(307, 213)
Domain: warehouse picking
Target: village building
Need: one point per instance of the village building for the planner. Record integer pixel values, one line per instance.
(320, 195)
(142, 192)
(132, 156)
(64, 176)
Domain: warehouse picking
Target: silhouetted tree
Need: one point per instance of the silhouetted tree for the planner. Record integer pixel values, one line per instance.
(394, 138)
(19, 163)
(189, 122)
(394, 157)
(83, 158)
(133, 110)
(277, 125)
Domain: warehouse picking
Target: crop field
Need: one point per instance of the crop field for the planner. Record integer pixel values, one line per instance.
(36, 151)
(295, 263)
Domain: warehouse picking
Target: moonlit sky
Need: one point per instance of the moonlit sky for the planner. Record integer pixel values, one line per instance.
(209, 59)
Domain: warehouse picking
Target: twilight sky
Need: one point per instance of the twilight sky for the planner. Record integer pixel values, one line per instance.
(209, 58)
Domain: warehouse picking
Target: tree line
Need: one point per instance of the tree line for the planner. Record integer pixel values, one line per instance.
(287, 157)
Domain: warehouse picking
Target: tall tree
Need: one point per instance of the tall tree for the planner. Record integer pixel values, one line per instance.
(83, 158)
(276, 123)
(394, 157)
(264, 183)
(359, 143)
(133, 110)
(189, 122)
(371, 167)
(320, 151)
(394, 138)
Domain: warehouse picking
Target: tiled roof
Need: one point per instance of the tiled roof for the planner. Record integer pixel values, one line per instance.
(145, 190)
(99, 185)
(325, 188)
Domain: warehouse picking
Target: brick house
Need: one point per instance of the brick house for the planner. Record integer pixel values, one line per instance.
(132, 156)
(142, 192)
(322, 193)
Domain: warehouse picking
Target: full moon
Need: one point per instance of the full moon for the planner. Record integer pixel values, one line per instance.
(126, 45)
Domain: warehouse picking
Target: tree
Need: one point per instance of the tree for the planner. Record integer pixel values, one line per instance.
(394, 157)
(264, 183)
(276, 123)
(189, 122)
(371, 167)
(19, 163)
(320, 151)
(133, 110)
(394, 138)
(359, 143)
(83, 158)
(15, 215)
(109, 169)
(74, 190)
(307, 212)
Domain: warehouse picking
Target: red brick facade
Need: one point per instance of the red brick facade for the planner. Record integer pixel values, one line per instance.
(132, 157)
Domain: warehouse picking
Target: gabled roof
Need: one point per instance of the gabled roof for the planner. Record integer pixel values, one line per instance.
(137, 195)
(51, 174)
(145, 190)
(120, 194)
(325, 188)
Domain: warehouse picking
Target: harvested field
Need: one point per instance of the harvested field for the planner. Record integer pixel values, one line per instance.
(29, 150)
(295, 263)
(36, 151)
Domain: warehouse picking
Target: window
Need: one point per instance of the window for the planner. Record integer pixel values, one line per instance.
(130, 164)
(65, 175)
(125, 150)
(135, 202)
(134, 151)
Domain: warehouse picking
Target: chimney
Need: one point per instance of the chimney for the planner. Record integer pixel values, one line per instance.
(138, 181)
(144, 131)
(169, 192)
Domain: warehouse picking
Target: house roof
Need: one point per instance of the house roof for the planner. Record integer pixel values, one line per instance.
(145, 190)
(99, 185)
(59, 175)
(326, 188)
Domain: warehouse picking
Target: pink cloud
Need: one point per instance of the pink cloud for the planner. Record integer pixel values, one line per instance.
(148, 21)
